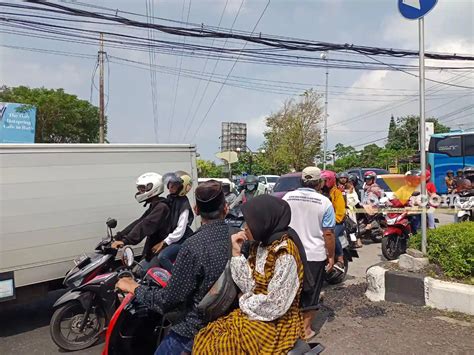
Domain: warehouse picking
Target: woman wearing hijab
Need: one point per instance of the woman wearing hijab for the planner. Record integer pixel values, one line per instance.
(268, 320)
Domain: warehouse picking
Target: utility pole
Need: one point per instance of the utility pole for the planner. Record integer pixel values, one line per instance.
(324, 56)
(101, 91)
(421, 33)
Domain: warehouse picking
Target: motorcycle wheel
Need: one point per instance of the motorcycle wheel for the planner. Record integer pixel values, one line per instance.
(464, 218)
(376, 237)
(390, 249)
(65, 324)
(340, 278)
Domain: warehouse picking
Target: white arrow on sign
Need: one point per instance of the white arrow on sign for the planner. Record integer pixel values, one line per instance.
(413, 3)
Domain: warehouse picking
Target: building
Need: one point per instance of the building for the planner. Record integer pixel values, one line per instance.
(233, 136)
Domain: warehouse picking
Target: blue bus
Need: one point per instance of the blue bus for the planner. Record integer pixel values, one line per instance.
(449, 151)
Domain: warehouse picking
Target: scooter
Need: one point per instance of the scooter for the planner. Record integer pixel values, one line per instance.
(465, 207)
(347, 239)
(82, 313)
(135, 329)
(396, 235)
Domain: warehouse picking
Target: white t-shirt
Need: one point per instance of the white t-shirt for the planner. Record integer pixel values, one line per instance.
(311, 212)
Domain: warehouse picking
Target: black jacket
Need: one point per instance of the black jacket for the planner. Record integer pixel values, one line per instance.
(154, 224)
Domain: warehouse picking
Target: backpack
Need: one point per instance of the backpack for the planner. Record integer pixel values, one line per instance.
(222, 295)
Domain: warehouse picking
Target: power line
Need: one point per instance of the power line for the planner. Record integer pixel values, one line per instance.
(213, 71)
(417, 76)
(267, 40)
(179, 71)
(230, 72)
(204, 68)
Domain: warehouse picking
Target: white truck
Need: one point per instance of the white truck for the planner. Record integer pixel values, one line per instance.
(56, 198)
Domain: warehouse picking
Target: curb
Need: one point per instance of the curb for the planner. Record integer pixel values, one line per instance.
(418, 290)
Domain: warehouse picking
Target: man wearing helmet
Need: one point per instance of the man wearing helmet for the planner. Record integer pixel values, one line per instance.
(178, 183)
(449, 180)
(153, 224)
(342, 180)
(372, 191)
(249, 191)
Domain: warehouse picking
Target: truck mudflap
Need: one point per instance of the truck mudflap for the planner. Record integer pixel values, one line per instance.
(84, 297)
(7, 286)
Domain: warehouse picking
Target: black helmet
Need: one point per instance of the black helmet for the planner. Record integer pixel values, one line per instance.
(342, 175)
(354, 179)
(251, 182)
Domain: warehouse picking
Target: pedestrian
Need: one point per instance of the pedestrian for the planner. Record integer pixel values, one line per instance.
(431, 191)
(269, 319)
(313, 219)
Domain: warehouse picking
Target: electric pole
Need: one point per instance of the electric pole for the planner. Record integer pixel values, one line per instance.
(324, 56)
(101, 91)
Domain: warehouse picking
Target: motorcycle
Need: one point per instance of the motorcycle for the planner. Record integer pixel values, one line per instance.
(135, 329)
(371, 227)
(396, 235)
(465, 206)
(347, 239)
(82, 313)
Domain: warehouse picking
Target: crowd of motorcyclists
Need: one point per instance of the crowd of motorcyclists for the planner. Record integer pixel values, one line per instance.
(276, 262)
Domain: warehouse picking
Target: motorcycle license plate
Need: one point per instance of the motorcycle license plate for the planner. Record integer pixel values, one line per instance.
(353, 237)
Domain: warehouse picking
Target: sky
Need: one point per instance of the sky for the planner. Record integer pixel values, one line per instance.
(358, 98)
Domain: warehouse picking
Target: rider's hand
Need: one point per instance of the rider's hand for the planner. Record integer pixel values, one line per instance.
(157, 247)
(127, 284)
(330, 264)
(237, 240)
(117, 244)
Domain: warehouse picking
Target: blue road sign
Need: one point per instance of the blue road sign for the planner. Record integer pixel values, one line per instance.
(415, 9)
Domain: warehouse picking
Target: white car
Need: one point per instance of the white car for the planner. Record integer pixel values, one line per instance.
(268, 182)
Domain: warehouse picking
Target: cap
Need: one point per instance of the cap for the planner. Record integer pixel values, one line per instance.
(311, 173)
(209, 196)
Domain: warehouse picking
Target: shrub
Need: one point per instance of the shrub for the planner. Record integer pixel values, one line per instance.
(451, 247)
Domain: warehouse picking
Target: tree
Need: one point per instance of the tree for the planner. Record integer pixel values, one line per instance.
(343, 151)
(293, 138)
(252, 163)
(60, 117)
(209, 169)
(405, 133)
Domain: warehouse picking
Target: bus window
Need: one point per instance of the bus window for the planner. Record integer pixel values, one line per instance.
(450, 145)
(469, 145)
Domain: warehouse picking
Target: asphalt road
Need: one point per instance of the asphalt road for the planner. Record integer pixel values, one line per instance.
(25, 329)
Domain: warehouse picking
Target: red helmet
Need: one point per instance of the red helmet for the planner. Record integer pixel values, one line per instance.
(329, 177)
(370, 175)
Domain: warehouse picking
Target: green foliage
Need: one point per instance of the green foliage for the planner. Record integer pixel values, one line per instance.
(209, 169)
(252, 163)
(404, 133)
(452, 248)
(293, 137)
(60, 117)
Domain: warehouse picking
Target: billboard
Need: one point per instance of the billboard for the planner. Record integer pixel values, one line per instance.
(17, 123)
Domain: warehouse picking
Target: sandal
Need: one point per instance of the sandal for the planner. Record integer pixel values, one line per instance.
(311, 336)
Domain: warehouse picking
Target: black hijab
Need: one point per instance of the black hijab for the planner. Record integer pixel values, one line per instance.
(268, 218)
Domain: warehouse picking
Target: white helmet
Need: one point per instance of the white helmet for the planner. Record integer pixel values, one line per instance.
(148, 186)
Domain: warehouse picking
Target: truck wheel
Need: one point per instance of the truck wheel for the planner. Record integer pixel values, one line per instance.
(65, 326)
(391, 250)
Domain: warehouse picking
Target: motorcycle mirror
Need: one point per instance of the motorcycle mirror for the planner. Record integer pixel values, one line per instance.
(111, 223)
(128, 257)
